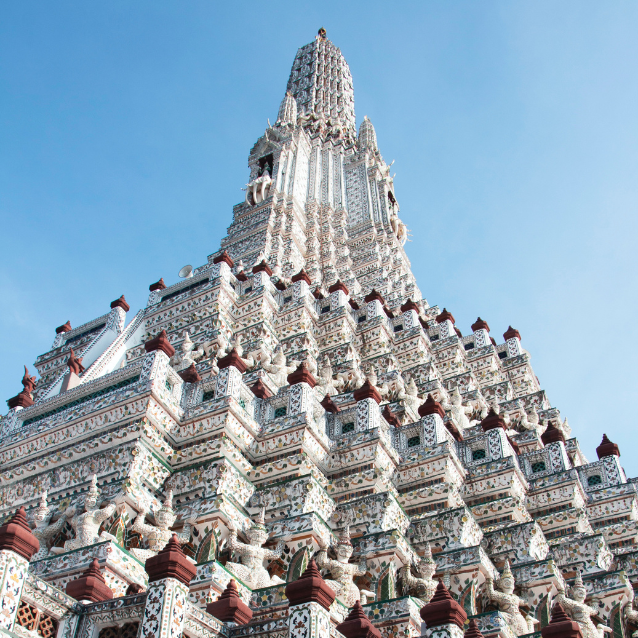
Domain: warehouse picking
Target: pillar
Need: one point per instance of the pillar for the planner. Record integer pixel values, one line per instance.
(17, 546)
(169, 577)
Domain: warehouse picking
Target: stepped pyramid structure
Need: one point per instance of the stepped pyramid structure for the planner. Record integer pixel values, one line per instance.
(290, 441)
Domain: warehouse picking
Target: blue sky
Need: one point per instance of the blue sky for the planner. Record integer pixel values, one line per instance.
(125, 129)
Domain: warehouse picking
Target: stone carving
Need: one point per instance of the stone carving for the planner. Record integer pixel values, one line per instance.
(188, 353)
(342, 571)
(424, 585)
(251, 570)
(158, 535)
(44, 531)
(508, 602)
(630, 615)
(258, 189)
(459, 411)
(86, 523)
(277, 367)
(579, 611)
(325, 383)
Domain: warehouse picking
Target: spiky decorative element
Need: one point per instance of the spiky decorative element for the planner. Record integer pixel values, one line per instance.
(358, 625)
(310, 587)
(229, 607)
(91, 586)
(443, 609)
(16, 536)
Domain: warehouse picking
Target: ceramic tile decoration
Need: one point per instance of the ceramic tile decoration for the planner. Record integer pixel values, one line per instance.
(296, 397)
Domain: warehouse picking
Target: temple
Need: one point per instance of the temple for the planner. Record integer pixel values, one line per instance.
(291, 441)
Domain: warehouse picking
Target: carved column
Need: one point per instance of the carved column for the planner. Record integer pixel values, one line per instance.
(17, 546)
(310, 599)
(368, 412)
(169, 576)
(443, 617)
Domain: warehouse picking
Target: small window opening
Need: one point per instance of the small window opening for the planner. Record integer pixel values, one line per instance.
(539, 466)
(596, 479)
(287, 299)
(249, 289)
(265, 164)
(469, 346)
(414, 441)
(479, 454)
(502, 355)
(434, 338)
(361, 319)
(398, 327)
(282, 411)
(347, 427)
(325, 309)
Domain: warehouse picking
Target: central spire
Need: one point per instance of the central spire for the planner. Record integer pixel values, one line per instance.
(321, 83)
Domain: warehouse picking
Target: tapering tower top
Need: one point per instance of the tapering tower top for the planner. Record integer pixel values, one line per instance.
(321, 83)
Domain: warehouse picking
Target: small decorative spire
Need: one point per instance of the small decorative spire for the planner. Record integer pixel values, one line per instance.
(16, 536)
(445, 316)
(66, 327)
(190, 375)
(25, 398)
(443, 609)
(607, 448)
(229, 607)
(171, 562)
(160, 342)
(511, 333)
(90, 586)
(302, 375)
(479, 324)
(329, 405)
(473, 630)
(262, 266)
(390, 416)
(310, 588)
(367, 391)
(561, 625)
(75, 363)
(302, 275)
(287, 110)
(374, 296)
(492, 421)
(358, 625)
(225, 257)
(260, 390)
(552, 434)
(121, 303)
(339, 285)
(367, 136)
(158, 285)
(431, 406)
(232, 359)
(322, 33)
(410, 305)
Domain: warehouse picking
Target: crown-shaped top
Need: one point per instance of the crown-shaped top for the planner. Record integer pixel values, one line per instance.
(358, 625)
(16, 536)
(310, 588)
(607, 448)
(229, 607)
(431, 406)
(171, 562)
(473, 630)
(443, 609)
(561, 625)
(321, 84)
(479, 324)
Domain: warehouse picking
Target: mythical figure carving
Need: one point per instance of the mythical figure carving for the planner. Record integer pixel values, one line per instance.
(86, 524)
(251, 570)
(158, 535)
(188, 353)
(342, 571)
(325, 381)
(424, 585)
(258, 190)
(277, 367)
(630, 614)
(459, 410)
(579, 611)
(43, 531)
(508, 602)
(409, 395)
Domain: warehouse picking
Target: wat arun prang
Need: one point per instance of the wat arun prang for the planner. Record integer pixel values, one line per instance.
(290, 441)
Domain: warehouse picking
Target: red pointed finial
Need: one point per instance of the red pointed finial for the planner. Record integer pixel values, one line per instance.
(561, 625)
(367, 391)
(260, 390)
(171, 562)
(445, 316)
(229, 607)
(511, 333)
(479, 324)
(358, 625)
(390, 416)
(431, 406)
(66, 327)
(552, 434)
(492, 421)
(121, 303)
(310, 588)
(160, 342)
(190, 375)
(16, 536)
(473, 630)
(302, 375)
(443, 609)
(158, 285)
(75, 363)
(607, 448)
(91, 585)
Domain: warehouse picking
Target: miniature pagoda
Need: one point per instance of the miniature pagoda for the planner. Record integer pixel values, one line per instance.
(290, 441)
